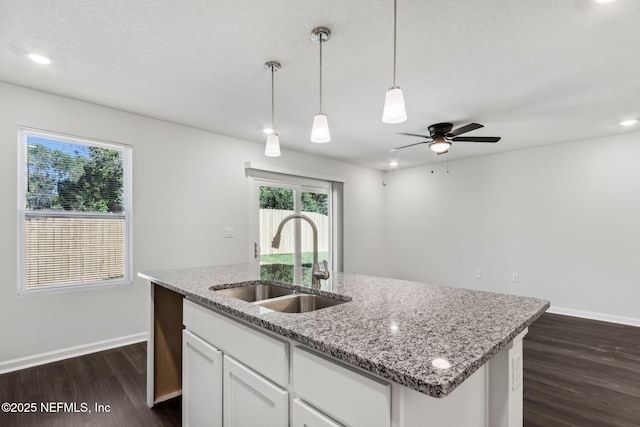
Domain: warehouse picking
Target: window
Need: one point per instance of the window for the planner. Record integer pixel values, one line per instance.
(74, 203)
(277, 196)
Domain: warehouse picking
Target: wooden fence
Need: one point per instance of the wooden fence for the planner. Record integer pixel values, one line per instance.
(271, 218)
(62, 250)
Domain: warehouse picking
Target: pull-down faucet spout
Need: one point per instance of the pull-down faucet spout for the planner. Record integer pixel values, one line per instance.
(316, 273)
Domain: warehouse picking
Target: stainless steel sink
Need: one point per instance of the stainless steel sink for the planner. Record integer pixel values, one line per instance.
(253, 293)
(299, 303)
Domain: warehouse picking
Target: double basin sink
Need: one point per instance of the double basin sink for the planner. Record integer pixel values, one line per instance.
(279, 298)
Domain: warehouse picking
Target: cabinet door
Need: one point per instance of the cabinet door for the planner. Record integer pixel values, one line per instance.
(201, 382)
(252, 400)
(306, 416)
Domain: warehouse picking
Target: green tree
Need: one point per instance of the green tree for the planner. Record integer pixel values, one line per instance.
(276, 198)
(315, 202)
(282, 198)
(99, 188)
(58, 180)
(41, 179)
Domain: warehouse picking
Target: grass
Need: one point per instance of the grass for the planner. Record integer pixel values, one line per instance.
(307, 258)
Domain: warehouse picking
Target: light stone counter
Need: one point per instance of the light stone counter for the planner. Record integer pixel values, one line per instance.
(393, 328)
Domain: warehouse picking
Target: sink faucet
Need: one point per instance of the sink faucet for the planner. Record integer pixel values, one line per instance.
(316, 273)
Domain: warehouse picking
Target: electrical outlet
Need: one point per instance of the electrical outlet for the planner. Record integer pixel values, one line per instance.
(515, 277)
(476, 274)
(228, 232)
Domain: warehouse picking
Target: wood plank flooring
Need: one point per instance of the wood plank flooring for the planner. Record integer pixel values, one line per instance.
(578, 372)
(114, 377)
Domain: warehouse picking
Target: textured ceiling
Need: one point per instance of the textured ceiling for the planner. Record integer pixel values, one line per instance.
(532, 71)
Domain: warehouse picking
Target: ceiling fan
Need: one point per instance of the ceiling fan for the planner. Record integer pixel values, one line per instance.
(441, 135)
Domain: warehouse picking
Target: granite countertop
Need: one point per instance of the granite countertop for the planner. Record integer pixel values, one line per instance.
(393, 328)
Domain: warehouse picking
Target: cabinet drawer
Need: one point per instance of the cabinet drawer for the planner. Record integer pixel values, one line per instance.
(304, 415)
(267, 355)
(351, 397)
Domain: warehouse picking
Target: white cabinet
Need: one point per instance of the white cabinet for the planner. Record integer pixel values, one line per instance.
(252, 400)
(235, 375)
(304, 415)
(351, 397)
(201, 383)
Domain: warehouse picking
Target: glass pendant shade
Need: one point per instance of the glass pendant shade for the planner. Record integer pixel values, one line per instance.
(394, 110)
(440, 145)
(272, 149)
(320, 130)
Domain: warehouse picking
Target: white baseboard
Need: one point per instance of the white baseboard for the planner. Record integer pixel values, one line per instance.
(67, 353)
(595, 316)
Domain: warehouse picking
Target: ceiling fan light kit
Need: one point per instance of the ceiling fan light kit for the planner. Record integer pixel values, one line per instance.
(272, 147)
(320, 129)
(440, 145)
(394, 109)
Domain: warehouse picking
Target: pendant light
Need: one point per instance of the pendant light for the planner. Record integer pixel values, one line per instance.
(272, 149)
(394, 109)
(320, 130)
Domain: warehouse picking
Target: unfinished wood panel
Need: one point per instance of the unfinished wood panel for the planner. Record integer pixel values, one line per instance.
(167, 331)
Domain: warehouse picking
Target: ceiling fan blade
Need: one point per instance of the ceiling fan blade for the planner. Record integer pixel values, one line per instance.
(415, 134)
(476, 138)
(410, 145)
(465, 129)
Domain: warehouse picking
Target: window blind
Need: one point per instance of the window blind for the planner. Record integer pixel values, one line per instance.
(74, 212)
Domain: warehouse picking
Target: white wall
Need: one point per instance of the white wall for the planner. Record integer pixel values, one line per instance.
(565, 217)
(188, 185)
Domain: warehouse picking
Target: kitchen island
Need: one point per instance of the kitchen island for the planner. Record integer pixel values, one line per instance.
(420, 354)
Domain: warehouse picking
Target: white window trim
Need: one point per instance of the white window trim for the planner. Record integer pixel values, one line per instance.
(253, 168)
(126, 150)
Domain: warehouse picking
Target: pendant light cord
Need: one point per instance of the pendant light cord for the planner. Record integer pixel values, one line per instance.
(395, 14)
(273, 108)
(321, 36)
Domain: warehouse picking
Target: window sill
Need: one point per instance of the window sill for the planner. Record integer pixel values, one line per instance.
(57, 289)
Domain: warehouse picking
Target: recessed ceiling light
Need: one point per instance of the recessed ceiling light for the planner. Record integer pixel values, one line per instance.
(393, 163)
(603, 1)
(627, 123)
(40, 59)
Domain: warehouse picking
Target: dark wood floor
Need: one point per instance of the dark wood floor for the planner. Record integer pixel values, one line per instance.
(577, 373)
(114, 377)
(580, 372)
